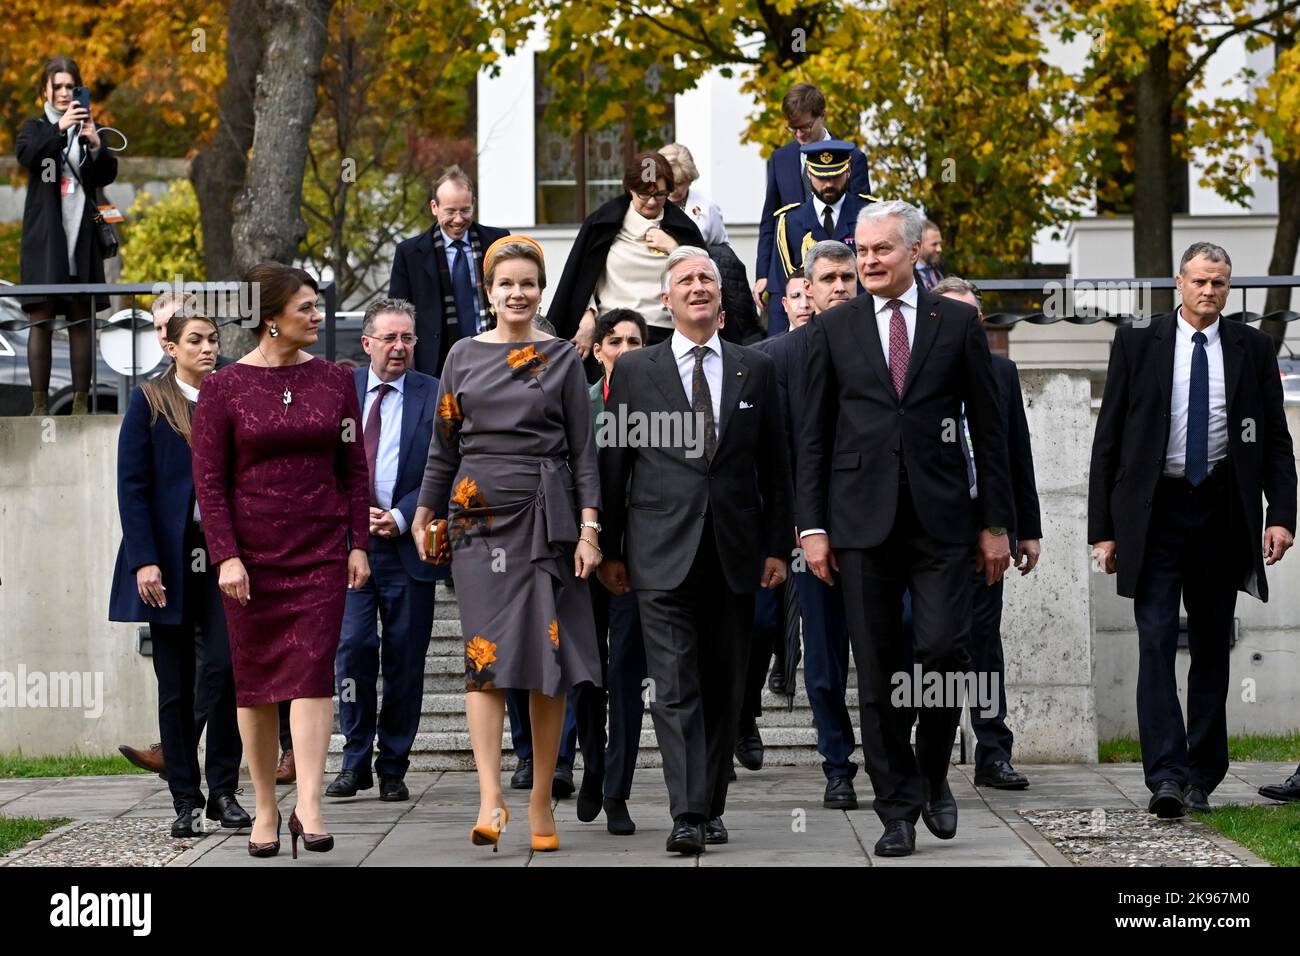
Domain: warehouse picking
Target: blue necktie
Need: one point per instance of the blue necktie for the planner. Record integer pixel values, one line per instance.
(462, 290)
(1198, 413)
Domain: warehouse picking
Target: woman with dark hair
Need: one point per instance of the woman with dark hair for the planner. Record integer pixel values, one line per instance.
(162, 579)
(283, 482)
(66, 162)
(619, 255)
(513, 466)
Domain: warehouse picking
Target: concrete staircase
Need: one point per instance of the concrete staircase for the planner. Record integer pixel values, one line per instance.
(443, 739)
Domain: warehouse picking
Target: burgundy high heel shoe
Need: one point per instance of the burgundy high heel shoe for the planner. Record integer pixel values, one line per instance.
(268, 849)
(315, 842)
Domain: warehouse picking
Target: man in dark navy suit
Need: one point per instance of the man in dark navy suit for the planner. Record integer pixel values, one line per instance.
(830, 212)
(441, 271)
(804, 109)
(397, 412)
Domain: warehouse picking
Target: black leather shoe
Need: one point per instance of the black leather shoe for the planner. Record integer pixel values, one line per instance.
(940, 814)
(617, 820)
(1196, 799)
(393, 790)
(1288, 789)
(562, 783)
(348, 782)
(840, 794)
(1167, 801)
(188, 822)
(226, 808)
(590, 797)
(687, 837)
(899, 839)
(522, 778)
(715, 832)
(1001, 776)
(776, 682)
(749, 747)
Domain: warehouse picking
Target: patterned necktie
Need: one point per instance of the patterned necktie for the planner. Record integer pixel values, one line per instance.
(899, 351)
(1198, 413)
(370, 435)
(462, 290)
(702, 401)
(968, 447)
(828, 222)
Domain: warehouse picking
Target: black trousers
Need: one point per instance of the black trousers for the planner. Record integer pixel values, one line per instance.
(768, 641)
(177, 669)
(1187, 557)
(590, 703)
(201, 700)
(993, 738)
(937, 574)
(697, 648)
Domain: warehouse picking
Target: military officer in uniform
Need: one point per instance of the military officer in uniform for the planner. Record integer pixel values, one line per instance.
(831, 212)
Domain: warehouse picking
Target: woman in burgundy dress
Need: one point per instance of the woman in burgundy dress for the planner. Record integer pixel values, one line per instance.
(283, 486)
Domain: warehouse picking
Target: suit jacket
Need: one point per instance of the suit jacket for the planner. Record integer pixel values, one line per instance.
(155, 500)
(797, 229)
(586, 262)
(416, 278)
(789, 355)
(656, 525)
(419, 403)
(919, 276)
(1128, 448)
(786, 183)
(1020, 456)
(855, 427)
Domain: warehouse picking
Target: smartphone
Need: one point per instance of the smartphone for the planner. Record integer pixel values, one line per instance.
(81, 96)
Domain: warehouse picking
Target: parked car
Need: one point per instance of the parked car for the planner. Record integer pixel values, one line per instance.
(1289, 366)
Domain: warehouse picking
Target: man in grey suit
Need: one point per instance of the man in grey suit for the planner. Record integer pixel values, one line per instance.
(707, 521)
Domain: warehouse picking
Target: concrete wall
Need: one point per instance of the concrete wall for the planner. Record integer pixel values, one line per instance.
(59, 534)
(1264, 684)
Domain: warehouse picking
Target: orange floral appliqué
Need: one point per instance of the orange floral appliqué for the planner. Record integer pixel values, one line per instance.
(518, 358)
(466, 493)
(449, 409)
(554, 631)
(481, 652)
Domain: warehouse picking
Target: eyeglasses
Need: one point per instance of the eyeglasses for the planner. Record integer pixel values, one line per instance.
(653, 197)
(804, 127)
(465, 212)
(390, 338)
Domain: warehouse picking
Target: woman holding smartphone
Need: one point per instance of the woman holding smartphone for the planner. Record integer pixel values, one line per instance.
(66, 162)
(163, 578)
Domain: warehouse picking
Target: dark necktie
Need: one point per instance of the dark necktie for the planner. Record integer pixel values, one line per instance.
(966, 447)
(702, 401)
(462, 289)
(1198, 413)
(828, 222)
(899, 350)
(370, 435)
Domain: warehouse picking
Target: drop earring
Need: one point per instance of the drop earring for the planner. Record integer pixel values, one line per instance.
(274, 331)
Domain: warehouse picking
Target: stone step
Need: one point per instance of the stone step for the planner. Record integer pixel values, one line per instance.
(446, 720)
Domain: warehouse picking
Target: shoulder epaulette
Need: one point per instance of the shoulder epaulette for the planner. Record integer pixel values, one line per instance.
(793, 205)
(868, 197)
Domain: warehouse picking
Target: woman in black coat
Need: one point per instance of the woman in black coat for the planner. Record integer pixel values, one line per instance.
(66, 162)
(618, 254)
(163, 579)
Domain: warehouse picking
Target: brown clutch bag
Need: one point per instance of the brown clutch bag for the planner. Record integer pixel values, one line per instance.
(437, 545)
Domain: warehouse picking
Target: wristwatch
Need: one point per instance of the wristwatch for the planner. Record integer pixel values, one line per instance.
(591, 524)
(997, 531)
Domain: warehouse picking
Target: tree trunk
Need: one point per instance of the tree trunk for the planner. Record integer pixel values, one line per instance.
(268, 220)
(1286, 238)
(1153, 216)
(217, 172)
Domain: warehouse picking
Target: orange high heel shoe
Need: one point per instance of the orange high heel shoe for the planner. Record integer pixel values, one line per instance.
(490, 835)
(315, 842)
(547, 844)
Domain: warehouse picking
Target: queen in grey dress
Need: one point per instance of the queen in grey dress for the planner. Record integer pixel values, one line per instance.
(511, 464)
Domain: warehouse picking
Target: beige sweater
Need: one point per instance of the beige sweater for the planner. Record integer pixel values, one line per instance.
(632, 272)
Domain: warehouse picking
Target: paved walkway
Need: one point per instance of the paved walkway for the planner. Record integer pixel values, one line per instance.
(775, 818)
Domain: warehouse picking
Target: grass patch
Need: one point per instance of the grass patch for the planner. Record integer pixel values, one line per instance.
(1270, 832)
(16, 831)
(15, 764)
(1248, 747)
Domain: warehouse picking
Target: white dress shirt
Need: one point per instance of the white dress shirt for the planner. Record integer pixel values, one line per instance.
(883, 314)
(1176, 449)
(681, 347)
(451, 267)
(191, 393)
(820, 208)
(390, 440)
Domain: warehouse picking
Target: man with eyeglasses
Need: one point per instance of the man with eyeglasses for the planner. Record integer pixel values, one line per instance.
(804, 109)
(441, 271)
(397, 414)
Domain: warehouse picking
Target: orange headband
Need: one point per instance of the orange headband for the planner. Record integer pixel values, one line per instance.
(527, 240)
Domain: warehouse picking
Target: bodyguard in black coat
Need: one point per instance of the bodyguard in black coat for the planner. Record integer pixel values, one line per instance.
(705, 523)
(1191, 432)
